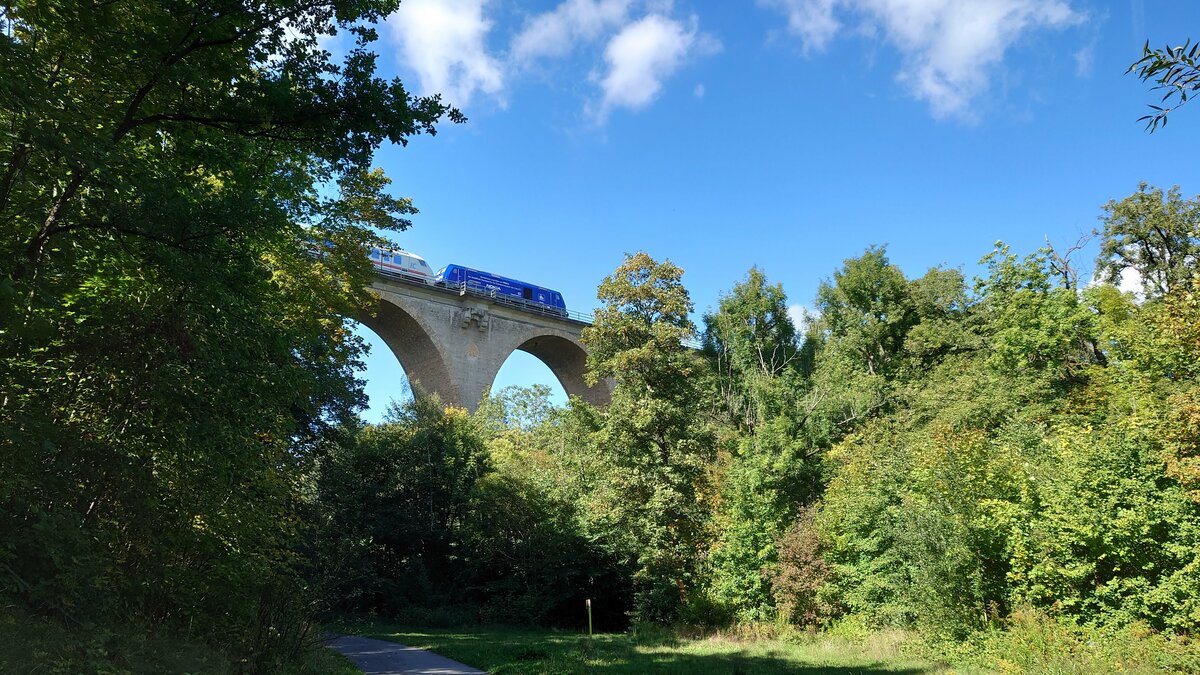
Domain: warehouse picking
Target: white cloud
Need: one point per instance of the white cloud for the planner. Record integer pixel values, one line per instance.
(698, 92)
(444, 42)
(1131, 282)
(800, 314)
(948, 47)
(811, 20)
(641, 56)
(554, 33)
(1085, 58)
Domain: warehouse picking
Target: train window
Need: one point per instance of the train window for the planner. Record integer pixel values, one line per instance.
(528, 293)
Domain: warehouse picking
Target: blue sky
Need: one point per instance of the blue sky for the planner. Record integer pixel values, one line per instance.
(787, 134)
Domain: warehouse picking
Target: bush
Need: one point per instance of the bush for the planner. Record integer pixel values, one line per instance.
(1032, 641)
(800, 575)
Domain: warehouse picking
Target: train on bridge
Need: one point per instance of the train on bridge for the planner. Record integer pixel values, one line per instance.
(413, 267)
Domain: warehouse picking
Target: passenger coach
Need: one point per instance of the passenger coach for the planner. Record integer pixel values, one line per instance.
(402, 263)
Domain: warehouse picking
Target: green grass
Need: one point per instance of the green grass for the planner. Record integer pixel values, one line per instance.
(324, 661)
(503, 651)
(32, 644)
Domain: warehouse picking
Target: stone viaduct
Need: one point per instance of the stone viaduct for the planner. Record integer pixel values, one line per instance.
(452, 342)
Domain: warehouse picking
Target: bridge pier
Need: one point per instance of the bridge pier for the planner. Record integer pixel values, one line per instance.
(453, 345)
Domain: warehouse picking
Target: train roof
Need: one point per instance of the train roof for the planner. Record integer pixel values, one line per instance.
(498, 276)
(403, 252)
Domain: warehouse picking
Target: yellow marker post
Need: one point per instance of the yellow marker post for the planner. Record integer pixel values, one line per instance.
(589, 608)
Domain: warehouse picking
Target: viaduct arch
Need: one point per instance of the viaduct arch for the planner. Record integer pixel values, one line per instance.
(452, 344)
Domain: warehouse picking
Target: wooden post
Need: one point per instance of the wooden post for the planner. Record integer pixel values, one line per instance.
(589, 608)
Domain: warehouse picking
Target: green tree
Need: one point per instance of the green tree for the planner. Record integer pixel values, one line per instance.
(922, 495)
(1031, 322)
(172, 353)
(868, 310)
(652, 433)
(864, 315)
(394, 502)
(751, 343)
(1155, 235)
(533, 550)
(1020, 466)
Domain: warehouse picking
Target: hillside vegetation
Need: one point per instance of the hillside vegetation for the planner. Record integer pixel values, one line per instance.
(1005, 467)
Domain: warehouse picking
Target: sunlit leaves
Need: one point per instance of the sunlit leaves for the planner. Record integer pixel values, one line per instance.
(1152, 235)
(172, 352)
(652, 431)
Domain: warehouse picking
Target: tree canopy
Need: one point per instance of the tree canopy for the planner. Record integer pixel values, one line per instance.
(173, 354)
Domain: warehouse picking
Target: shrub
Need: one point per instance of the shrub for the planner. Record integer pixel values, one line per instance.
(797, 579)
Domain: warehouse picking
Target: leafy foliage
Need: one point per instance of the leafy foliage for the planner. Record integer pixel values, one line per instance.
(437, 509)
(172, 354)
(1156, 236)
(1175, 71)
(760, 373)
(1026, 467)
(394, 501)
(650, 433)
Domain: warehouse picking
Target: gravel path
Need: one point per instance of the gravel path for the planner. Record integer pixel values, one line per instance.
(380, 657)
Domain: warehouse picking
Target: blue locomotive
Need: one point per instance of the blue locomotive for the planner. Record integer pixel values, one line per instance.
(457, 276)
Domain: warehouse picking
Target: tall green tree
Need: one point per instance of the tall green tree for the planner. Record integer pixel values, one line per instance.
(1033, 321)
(653, 432)
(868, 309)
(753, 347)
(752, 343)
(864, 314)
(172, 351)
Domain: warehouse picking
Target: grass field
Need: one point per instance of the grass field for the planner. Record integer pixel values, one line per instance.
(518, 652)
(37, 645)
